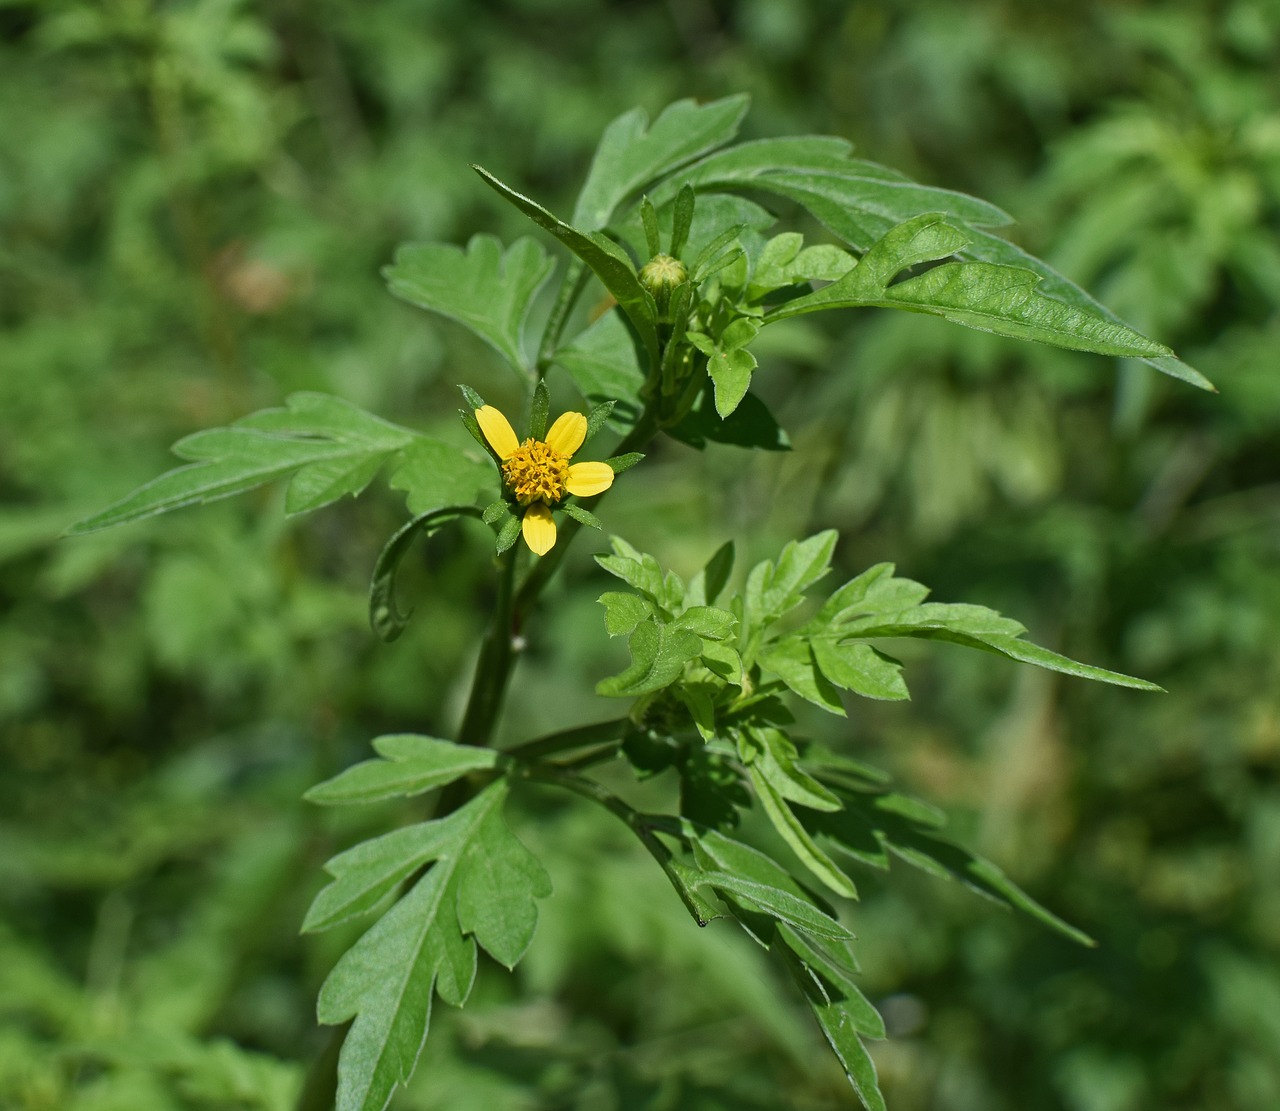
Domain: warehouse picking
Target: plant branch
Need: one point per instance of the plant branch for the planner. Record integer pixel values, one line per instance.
(601, 732)
(493, 669)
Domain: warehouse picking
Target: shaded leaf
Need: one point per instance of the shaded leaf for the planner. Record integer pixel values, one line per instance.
(500, 881)
(629, 156)
(487, 291)
(797, 836)
(658, 655)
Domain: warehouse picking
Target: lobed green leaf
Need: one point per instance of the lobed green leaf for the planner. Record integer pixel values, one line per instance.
(410, 765)
(631, 155)
(487, 291)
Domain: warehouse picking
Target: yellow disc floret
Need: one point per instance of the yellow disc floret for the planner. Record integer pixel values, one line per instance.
(536, 472)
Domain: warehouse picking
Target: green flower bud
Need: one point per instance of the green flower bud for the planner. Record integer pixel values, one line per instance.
(660, 276)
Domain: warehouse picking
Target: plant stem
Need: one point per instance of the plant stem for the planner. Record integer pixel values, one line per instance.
(575, 281)
(601, 732)
(680, 876)
(493, 669)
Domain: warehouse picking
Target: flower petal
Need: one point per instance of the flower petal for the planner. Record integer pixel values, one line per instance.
(587, 479)
(539, 528)
(497, 430)
(567, 433)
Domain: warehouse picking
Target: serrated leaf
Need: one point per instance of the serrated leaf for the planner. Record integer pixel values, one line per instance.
(607, 260)
(623, 612)
(861, 217)
(433, 474)
(500, 881)
(318, 484)
(385, 981)
(876, 590)
(773, 589)
(488, 292)
(364, 874)
(791, 660)
(962, 618)
(795, 911)
(991, 248)
(771, 753)
(874, 821)
(861, 669)
(658, 656)
(1025, 652)
(411, 764)
(313, 430)
(978, 627)
(629, 157)
(643, 572)
(801, 842)
(990, 297)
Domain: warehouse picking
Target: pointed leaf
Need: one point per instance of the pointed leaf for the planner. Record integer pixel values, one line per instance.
(861, 669)
(777, 903)
(609, 262)
(658, 656)
(411, 764)
(363, 875)
(488, 292)
(500, 879)
(629, 157)
(795, 834)
(343, 443)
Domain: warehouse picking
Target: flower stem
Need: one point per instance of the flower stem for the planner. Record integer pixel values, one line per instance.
(493, 669)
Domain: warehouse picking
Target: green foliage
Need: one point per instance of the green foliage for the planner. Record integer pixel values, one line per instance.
(483, 289)
(331, 449)
(193, 221)
(479, 889)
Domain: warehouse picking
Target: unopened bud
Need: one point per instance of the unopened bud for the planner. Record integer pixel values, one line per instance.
(660, 276)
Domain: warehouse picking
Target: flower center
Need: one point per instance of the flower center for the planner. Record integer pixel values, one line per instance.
(536, 472)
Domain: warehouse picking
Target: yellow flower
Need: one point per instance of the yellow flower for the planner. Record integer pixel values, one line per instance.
(538, 472)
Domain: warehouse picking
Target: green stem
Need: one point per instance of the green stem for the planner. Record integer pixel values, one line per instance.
(680, 876)
(493, 669)
(574, 282)
(601, 732)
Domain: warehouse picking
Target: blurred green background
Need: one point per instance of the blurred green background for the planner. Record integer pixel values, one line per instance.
(195, 200)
